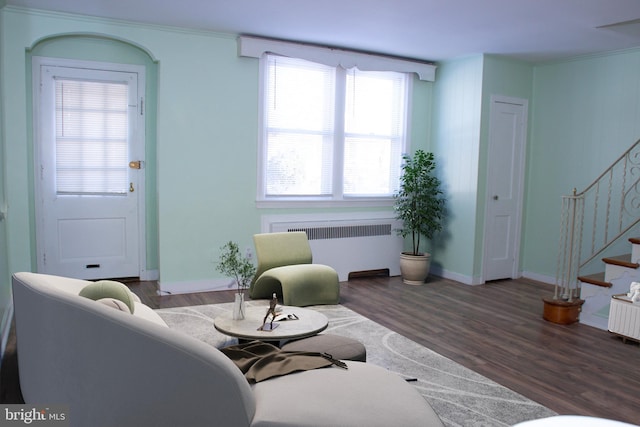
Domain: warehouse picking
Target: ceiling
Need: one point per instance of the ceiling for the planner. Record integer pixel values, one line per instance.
(435, 30)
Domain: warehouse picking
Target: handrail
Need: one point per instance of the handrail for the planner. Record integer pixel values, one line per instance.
(619, 159)
(595, 218)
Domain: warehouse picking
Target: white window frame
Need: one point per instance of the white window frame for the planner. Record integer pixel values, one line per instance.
(337, 199)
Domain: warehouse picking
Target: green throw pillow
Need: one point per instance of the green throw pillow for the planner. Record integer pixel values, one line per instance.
(108, 289)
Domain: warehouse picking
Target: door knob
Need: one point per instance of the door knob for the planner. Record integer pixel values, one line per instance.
(495, 197)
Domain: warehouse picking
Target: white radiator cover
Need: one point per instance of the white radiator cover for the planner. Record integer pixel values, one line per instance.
(624, 317)
(347, 242)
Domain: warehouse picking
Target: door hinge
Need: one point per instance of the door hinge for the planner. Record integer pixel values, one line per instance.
(142, 106)
(44, 259)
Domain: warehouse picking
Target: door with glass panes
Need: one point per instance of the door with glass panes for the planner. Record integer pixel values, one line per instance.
(89, 168)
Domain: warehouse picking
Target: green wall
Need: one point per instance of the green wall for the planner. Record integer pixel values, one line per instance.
(509, 78)
(455, 142)
(96, 48)
(5, 285)
(586, 113)
(204, 135)
(206, 115)
(463, 91)
(583, 113)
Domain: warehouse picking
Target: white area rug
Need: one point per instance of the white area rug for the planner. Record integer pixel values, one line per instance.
(459, 396)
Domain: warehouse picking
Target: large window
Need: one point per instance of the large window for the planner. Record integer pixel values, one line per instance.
(329, 133)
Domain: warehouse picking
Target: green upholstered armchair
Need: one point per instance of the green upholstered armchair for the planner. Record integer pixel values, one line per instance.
(285, 268)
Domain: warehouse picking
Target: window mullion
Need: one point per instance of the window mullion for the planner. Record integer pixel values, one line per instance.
(306, 152)
(339, 133)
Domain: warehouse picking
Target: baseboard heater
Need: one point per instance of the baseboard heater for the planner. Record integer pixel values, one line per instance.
(351, 245)
(624, 317)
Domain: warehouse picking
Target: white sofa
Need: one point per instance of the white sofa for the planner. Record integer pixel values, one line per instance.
(113, 368)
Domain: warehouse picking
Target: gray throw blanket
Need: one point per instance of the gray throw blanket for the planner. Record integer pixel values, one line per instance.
(260, 361)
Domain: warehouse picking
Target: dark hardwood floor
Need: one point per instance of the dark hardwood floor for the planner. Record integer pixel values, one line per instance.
(495, 329)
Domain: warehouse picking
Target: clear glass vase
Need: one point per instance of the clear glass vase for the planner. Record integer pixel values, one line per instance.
(238, 307)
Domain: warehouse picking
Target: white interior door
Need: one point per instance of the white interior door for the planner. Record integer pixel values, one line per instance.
(89, 182)
(506, 162)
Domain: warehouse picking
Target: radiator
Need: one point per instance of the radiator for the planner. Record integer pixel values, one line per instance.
(624, 317)
(349, 245)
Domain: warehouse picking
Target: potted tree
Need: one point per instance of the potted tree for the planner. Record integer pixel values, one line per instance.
(241, 268)
(419, 204)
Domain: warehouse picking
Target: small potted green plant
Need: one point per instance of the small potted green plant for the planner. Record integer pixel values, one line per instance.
(231, 263)
(419, 204)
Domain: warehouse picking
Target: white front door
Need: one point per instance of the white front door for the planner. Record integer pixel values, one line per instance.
(89, 156)
(505, 178)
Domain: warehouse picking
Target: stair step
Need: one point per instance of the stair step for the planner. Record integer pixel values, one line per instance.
(596, 279)
(621, 260)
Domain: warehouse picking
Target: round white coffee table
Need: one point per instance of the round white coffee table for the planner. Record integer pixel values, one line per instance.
(309, 323)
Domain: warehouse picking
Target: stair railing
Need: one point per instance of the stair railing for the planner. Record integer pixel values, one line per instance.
(594, 219)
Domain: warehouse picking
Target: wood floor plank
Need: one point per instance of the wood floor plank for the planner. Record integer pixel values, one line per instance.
(495, 329)
(498, 331)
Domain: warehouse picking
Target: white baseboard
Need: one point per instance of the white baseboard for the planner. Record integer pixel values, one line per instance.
(539, 277)
(172, 288)
(457, 277)
(473, 281)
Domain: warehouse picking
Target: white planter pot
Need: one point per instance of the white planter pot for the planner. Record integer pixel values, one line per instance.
(414, 268)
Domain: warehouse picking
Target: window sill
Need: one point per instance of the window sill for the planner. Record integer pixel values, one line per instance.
(324, 203)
